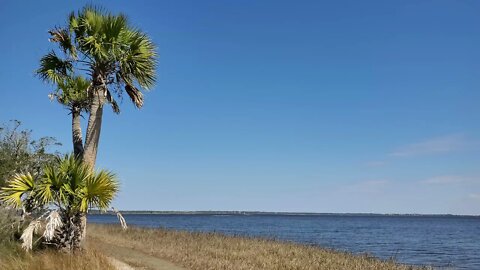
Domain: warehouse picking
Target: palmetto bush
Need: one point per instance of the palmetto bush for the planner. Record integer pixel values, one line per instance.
(66, 191)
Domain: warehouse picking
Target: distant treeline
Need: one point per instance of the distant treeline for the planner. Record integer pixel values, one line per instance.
(260, 213)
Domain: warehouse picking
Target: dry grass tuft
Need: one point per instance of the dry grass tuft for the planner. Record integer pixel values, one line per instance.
(202, 251)
(54, 260)
(12, 257)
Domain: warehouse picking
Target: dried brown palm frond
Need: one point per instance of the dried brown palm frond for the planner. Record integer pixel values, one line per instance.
(115, 107)
(54, 221)
(135, 95)
(63, 37)
(27, 235)
(120, 217)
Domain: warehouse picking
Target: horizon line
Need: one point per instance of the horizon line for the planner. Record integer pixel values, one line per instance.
(241, 212)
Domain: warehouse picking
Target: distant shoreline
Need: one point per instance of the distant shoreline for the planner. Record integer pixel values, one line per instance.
(261, 213)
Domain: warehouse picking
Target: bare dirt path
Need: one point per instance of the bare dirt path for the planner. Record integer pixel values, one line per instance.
(119, 265)
(125, 258)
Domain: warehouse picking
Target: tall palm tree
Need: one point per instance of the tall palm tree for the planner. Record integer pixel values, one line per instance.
(117, 57)
(71, 89)
(69, 187)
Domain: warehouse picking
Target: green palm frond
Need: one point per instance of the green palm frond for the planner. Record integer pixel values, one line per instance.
(74, 172)
(19, 185)
(116, 49)
(138, 61)
(112, 26)
(72, 22)
(70, 184)
(48, 185)
(92, 19)
(51, 187)
(88, 28)
(99, 190)
(78, 176)
(53, 69)
(73, 92)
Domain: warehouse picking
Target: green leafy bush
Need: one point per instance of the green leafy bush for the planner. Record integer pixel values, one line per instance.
(20, 153)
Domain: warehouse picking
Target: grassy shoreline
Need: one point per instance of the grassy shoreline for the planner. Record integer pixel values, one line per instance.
(200, 251)
(148, 248)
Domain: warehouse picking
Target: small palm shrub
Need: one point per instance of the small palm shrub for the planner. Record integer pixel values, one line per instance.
(66, 190)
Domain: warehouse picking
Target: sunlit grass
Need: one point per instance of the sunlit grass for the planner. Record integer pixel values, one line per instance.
(200, 251)
(12, 257)
(196, 251)
(89, 259)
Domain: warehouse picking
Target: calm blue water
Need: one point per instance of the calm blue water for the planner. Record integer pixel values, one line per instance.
(444, 242)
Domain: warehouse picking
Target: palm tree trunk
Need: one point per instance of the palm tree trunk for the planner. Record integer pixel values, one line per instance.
(70, 235)
(91, 144)
(94, 127)
(83, 229)
(77, 133)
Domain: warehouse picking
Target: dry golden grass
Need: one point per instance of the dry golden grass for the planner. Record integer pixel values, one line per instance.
(207, 251)
(51, 260)
(12, 257)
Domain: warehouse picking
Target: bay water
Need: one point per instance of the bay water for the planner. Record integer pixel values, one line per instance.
(445, 242)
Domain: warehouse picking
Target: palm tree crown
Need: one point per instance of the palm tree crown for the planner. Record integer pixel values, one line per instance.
(114, 52)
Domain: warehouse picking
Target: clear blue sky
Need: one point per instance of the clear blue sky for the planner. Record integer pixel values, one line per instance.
(338, 106)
